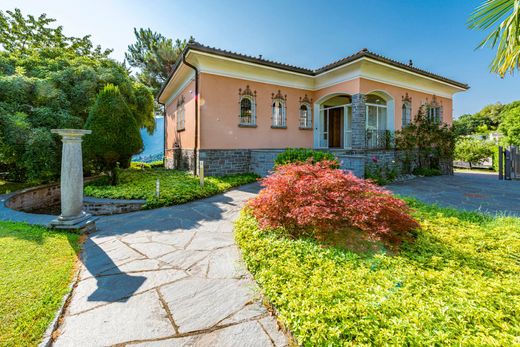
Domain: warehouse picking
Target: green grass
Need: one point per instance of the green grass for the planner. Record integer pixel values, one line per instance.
(177, 187)
(9, 187)
(36, 268)
(457, 284)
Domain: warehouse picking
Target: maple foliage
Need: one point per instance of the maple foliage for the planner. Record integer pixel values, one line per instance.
(302, 197)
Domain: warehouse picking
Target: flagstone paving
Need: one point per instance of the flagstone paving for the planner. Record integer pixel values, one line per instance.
(168, 277)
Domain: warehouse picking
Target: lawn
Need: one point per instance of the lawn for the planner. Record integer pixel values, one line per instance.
(177, 187)
(457, 284)
(36, 268)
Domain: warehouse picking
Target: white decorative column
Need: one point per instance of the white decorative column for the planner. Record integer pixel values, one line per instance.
(72, 214)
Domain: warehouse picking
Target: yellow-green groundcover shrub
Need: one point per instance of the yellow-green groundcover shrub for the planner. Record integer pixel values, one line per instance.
(457, 284)
(176, 187)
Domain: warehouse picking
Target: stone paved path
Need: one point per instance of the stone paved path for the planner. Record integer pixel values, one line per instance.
(468, 191)
(168, 277)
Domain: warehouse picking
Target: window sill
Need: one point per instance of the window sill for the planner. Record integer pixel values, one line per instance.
(181, 130)
(305, 128)
(278, 126)
(247, 125)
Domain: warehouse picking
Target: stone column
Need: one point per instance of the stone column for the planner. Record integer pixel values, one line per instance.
(72, 214)
(359, 117)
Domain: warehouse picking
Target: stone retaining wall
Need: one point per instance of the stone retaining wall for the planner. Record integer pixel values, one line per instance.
(34, 198)
(47, 197)
(103, 207)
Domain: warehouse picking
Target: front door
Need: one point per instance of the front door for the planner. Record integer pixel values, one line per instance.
(335, 127)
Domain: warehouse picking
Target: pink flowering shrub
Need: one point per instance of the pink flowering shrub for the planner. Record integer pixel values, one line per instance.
(317, 198)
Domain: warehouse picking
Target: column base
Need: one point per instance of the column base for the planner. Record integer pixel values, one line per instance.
(84, 223)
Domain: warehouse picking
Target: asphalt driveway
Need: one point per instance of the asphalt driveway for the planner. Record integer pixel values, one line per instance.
(468, 191)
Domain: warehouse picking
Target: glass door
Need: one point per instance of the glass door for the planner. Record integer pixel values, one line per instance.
(347, 127)
(324, 128)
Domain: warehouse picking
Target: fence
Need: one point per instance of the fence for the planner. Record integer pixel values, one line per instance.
(508, 163)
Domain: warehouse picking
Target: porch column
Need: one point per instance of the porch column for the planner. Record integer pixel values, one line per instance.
(358, 121)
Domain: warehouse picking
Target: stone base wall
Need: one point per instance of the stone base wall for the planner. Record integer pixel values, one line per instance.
(262, 160)
(352, 163)
(179, 159)
(220, 162)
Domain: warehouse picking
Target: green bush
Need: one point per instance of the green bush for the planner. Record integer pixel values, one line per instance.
(457, 284)
(176, 187)
(423, 171)
(472, 150)
(301, 155)
(142, 165)
(115, 132)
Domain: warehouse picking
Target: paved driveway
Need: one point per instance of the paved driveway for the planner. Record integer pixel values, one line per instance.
(469, 191)
(168, 277)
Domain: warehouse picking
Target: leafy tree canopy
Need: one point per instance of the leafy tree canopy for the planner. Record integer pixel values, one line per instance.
(510, 126)
(53, 86)
(154, 55)
(22, 35)
(486, 120)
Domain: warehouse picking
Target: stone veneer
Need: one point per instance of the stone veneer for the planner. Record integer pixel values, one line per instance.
(220, 162)
(358, 121)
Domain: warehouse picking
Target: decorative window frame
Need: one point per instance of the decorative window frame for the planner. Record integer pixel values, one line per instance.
(434, 110)
(181, 114)
(406, 119)
(250, 95)
(305, 124)
(280, 123)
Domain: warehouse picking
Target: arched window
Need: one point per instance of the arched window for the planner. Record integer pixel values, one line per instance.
(376, 122)
(278, 111)
(305, 113)
(180, 114)
(247, 107)
(376, 112)
(406, 111)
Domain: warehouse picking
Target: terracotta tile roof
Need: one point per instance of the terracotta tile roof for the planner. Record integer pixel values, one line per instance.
(364, 53)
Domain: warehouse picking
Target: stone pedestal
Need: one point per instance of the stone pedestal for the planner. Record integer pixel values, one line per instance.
(72, 215)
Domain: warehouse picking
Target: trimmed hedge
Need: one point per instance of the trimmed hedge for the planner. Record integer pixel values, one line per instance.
(302, 155)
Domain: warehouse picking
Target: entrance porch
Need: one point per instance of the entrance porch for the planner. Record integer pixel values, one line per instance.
(354, 122)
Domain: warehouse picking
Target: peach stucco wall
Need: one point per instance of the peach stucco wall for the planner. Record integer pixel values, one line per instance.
(186, 138)
(220, 110)
(397, 93)
(349, 87)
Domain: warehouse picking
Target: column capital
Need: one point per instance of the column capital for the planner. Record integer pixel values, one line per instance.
(71, 135)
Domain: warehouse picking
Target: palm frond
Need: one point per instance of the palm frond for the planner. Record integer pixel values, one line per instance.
(504, 16)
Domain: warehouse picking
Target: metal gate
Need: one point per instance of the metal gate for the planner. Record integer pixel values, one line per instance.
(508, 163)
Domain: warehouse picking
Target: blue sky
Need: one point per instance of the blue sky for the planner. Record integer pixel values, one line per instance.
(305, 33)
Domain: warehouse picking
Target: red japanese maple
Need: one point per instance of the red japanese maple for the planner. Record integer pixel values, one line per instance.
(316, 197)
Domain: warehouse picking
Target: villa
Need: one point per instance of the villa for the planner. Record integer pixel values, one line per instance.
(235, 112)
